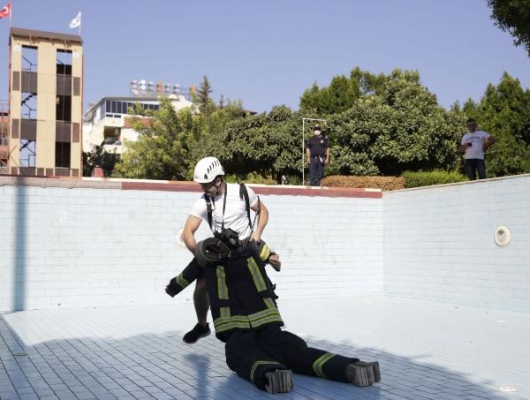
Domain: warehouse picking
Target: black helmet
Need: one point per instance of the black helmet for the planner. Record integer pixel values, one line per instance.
(211, 250)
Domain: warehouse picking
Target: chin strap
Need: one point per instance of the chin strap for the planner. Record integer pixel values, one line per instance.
(219, 187)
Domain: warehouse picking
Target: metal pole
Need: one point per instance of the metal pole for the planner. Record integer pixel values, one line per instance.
(303, 151)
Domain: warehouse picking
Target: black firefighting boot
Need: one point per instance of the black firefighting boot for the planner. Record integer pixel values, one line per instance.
(279, 381)
(362, 373)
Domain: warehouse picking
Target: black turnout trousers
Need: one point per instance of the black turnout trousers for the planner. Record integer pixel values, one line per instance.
(251, 354)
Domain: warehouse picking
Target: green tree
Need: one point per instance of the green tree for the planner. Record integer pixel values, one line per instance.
(513, 16)
(397, 126)
(366, 82)
(341, 94)
(203, 100)
(338, 96)
(161, 151)
(206, 133)
(98, 157)
(267, 144)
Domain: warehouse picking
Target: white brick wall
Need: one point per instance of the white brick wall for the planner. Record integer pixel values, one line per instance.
(439, 243)
(89, 247)
(329, 246)
(91, 244)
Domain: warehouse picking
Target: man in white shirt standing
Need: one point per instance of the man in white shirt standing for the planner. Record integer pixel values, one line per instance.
(474, 143)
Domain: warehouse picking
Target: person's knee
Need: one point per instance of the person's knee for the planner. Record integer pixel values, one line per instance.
(200, 286)
(200, 294)
(201, 301)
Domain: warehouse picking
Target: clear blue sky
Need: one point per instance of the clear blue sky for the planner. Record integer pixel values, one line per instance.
(267, 53)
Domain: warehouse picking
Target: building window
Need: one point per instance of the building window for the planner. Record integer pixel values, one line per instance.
(64, 108)
(64, 62)
(28, 106)
(29, 58)
(62, 154)
(28, 153)
(112, 135)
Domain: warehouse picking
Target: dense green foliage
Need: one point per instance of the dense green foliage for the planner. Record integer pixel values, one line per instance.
(377, 125)
(437, 177)
(513, 16)
(161, 150)
(99, 158)
(202, 97)
(397, 127)
(268, 144)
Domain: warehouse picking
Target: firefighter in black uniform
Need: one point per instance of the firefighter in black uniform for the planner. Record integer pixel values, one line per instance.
(247, 320)
(318, 154)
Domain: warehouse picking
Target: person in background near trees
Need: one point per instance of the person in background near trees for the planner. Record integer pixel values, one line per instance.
(474, 144)
(318, 154)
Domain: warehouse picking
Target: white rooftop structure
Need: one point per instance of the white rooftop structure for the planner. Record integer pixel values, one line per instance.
(108, 120)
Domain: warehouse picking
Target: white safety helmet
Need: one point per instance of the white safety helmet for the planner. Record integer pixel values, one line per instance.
(207, 170)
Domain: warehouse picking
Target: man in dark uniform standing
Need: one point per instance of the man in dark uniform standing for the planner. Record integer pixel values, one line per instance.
(318, 155)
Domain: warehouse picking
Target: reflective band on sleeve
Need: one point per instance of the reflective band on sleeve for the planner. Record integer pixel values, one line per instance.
(183, 283)
(265, 252)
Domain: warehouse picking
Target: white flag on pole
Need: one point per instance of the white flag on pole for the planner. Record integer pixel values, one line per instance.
(76, 22)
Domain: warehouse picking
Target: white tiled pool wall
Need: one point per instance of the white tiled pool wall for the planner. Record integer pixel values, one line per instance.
(100, 246)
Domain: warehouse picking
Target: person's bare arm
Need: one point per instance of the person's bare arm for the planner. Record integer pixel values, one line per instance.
(489, 141)
(188, 233)
(464, 147)
(263, 219)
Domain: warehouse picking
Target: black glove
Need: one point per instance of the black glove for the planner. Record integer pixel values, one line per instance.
(173, 288)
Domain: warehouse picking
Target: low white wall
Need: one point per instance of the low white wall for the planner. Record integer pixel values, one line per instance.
(90, 244)
(439, 243)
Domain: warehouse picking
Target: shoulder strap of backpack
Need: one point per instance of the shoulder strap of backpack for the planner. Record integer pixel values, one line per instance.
(243, 194)
(209, 210)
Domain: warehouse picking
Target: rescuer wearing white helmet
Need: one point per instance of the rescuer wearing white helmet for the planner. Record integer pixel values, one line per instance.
(224, 207)
(243, 304)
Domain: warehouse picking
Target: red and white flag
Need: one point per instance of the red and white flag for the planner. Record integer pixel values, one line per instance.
(6, 11)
